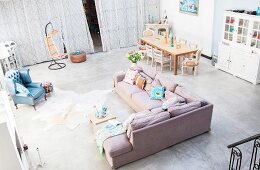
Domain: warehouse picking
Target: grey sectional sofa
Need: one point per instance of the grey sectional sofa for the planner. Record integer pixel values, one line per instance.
(183, 122)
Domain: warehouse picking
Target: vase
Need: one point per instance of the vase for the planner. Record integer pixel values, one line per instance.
(134, 65)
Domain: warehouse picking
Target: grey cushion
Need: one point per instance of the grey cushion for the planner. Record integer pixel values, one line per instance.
(117, 145)
(128, 89)
(143, 100)
(168, 84)
(181, 91)
(169, 94)
(144, 120)
(178, 110)
(147, 70)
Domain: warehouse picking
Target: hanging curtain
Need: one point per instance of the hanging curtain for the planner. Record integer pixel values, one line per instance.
(23, 21)
(122, 22)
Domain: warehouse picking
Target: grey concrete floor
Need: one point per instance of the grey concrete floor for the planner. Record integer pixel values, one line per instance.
(236, 116)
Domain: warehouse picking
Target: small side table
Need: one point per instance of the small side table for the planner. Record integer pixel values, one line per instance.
(48, 87)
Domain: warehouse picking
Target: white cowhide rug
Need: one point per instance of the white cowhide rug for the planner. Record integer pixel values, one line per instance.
(69, 108)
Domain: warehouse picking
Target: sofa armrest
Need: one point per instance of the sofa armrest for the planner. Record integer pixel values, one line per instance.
(117, 77)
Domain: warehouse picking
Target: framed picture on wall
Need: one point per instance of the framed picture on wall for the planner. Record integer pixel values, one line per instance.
(189, 6)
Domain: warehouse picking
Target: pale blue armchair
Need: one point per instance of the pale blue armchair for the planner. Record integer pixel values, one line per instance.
(22, 76)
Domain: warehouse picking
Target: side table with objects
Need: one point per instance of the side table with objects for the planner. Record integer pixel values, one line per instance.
(48, 87)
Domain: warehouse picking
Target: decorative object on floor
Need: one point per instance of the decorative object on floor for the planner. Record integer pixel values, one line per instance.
(78, 57)
(134, 57)
(70, 109)
(48, 87)
(192, 63)
(22, 76)
(53, 50)
(189, 6)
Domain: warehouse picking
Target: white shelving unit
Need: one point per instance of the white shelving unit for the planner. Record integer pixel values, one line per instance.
(12, 156)
(239, 50)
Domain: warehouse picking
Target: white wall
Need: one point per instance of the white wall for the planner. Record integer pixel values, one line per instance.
(197, 29)
(220, 7)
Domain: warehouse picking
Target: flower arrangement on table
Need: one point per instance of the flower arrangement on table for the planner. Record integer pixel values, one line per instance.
(134, 57)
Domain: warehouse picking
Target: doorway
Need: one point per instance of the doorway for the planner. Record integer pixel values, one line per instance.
(92, 19)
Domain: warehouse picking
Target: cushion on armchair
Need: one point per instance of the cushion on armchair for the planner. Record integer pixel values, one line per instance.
(22, 90)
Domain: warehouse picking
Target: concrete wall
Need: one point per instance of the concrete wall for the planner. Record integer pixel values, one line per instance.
(220, 8)
(197, 29)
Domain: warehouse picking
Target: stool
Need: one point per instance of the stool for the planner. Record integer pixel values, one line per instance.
(78, 57)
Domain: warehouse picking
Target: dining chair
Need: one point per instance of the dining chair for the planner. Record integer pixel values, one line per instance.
(161, 59)
(182, 41)
(192, 63)
(193, 45)
(149, 53)
(148, 32)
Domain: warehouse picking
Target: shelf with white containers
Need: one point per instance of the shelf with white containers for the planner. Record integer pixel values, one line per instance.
(239, 50)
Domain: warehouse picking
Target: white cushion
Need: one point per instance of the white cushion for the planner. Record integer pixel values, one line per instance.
(130, 76)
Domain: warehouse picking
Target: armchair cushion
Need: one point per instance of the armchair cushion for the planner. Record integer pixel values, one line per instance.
(25, 76)
(36, 92)
(23, 91)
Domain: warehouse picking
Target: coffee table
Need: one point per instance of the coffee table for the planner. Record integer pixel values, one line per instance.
(96, 121)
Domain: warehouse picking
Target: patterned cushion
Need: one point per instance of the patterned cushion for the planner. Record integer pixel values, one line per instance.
(157, 93)
(130, 76)
(22, 90)
(140, 81)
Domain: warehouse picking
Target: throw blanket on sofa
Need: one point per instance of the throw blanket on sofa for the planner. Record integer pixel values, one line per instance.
(106, 132)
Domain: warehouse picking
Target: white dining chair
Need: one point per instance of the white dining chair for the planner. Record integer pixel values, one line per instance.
(159, 58)
(192, 63)
(148, 32)
(149, 53)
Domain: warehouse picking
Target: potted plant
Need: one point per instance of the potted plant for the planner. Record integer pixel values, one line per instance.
(134, 57)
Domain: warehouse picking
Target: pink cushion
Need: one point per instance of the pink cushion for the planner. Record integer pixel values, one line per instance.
(130, 76)
(178, 110)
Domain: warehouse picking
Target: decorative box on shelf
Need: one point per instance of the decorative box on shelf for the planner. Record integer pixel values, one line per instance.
(239, 50)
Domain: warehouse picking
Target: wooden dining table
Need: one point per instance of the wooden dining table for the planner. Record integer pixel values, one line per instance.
(174, 52)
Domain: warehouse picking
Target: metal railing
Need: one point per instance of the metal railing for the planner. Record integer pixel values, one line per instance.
(236, 154)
